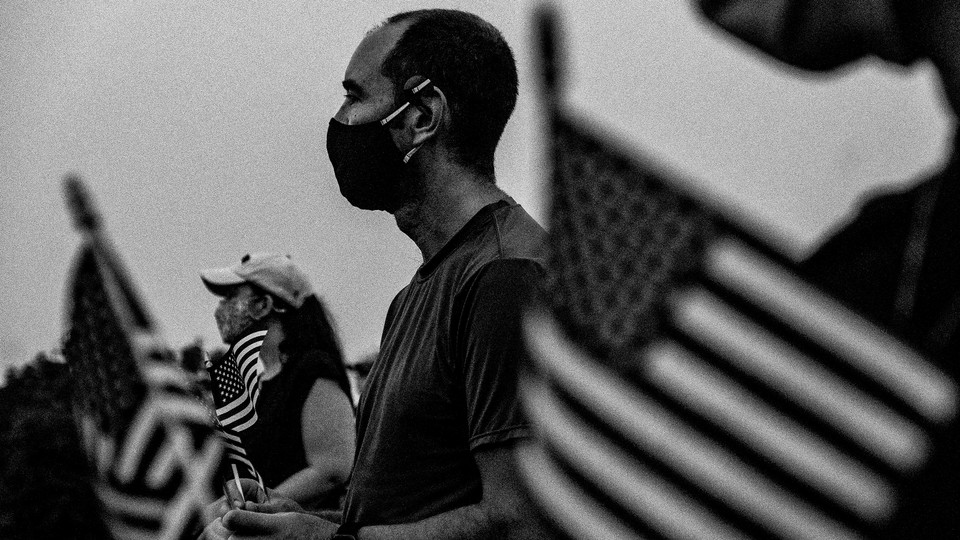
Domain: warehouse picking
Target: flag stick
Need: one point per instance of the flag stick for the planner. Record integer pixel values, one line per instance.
(236, 478)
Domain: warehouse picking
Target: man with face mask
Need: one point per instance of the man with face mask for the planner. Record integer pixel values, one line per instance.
(898, 262)
(428, 96)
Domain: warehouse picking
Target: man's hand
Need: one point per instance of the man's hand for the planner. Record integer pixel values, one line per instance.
(248, 525)
(233, 498)
(249, 491)
(215, 510)
(215, 531)
(275, 505)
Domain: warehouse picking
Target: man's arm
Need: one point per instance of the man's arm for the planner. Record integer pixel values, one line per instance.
(502, 513)
(488, 346)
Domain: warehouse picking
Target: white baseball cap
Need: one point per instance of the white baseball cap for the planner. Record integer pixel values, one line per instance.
(271, 272)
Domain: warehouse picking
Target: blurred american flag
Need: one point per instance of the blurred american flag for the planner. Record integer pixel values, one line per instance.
(686, 382)
(146, 430)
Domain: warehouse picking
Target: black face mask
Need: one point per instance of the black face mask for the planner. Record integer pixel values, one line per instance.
(371, 171)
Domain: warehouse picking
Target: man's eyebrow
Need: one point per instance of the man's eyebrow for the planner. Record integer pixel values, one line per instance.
(351, 86)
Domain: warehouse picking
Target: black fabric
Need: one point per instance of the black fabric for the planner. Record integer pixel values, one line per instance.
(444, 384)
(370, 169)
(275, 443)
(863, 265)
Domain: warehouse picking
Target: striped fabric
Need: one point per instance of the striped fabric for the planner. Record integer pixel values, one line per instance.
(685, 382)
(232, 396)
(235, 409)
(235, 378)
(240, 465)
(146, 431)
(246, 353)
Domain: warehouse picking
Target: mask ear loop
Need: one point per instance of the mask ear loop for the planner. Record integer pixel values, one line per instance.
(406, 158)
(413, 95)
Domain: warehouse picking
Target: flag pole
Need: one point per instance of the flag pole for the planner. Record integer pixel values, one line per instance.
(551, 60)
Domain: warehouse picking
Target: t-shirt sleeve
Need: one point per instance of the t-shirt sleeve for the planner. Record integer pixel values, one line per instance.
(489, 348)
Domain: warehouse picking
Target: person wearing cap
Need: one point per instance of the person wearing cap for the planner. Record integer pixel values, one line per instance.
(303, 441)
(898, 261)
(429, 93)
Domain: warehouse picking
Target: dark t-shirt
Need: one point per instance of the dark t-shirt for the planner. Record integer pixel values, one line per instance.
(275, 443)
(444, 384)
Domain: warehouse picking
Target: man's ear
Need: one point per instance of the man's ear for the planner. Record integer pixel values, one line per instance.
(261, 306)
(430, 111)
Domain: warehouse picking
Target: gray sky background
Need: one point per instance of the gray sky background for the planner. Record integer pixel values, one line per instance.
(200, 129)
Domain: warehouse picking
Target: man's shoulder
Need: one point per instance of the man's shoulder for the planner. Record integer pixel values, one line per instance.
(518, 235)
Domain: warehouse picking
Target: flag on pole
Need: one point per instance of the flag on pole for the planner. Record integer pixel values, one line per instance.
(235, 409)
(686, 382)
(246, 353)
(235, 381)
(145, 429)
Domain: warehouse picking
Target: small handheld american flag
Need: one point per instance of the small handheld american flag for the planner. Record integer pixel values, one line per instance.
(246, 353)
(235, 405)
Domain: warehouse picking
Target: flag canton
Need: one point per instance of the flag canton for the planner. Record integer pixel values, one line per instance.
(107, 383)
(234, 406)
(228, 385)
(620, 240)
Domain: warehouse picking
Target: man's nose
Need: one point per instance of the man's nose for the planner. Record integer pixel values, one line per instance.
(342, 115)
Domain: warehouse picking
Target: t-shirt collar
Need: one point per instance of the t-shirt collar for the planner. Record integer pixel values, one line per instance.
(476, 222)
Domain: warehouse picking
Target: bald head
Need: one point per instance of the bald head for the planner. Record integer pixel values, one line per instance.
(468, 59)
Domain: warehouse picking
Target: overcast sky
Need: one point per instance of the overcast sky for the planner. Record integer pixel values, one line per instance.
(200, 129)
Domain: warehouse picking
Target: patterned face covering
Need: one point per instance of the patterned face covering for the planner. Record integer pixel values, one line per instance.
(816, 34)
(234, 314)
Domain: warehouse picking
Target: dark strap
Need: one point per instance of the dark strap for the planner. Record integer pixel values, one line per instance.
(915, 252)
(946, 326)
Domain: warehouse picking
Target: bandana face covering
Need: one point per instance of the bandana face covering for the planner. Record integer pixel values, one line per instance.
(815, 34)
(370, 169)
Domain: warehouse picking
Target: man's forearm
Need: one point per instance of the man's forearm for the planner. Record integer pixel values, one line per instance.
(474, 522)
(309, 485)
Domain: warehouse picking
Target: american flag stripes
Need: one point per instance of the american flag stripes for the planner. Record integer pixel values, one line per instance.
(246, 352)
(235, 378)
(685, 382)
(235, 409)
(146, 431)
(239, 464)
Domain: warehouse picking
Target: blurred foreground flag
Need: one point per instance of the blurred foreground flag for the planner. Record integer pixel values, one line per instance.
(685, 382)
(147, 433)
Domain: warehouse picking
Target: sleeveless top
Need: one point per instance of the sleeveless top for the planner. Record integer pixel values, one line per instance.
(275, 443)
